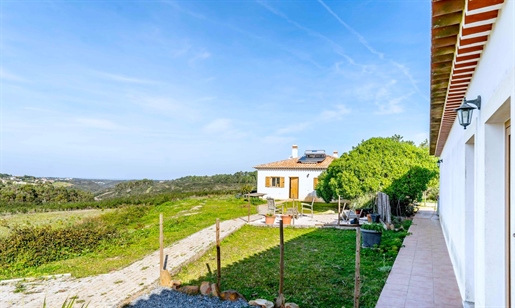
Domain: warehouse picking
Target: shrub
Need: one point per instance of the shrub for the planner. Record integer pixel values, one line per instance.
(33, 246)
(373, 226)
(398, 168)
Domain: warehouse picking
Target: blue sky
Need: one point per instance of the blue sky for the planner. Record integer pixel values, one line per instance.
(164, 89)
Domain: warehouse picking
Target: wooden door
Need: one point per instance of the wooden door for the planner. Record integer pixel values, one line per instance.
(294, 188)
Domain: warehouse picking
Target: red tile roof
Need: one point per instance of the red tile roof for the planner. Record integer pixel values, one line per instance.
(293, 163)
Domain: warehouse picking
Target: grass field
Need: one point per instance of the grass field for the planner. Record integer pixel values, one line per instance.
(319, 265)
(58, 219)
(138, 229)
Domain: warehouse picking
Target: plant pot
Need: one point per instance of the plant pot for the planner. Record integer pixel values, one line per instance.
(269, 220)
(370, 238)
(286, 219)
(375, 217)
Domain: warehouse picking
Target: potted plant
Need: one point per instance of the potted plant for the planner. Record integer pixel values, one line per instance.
(286, 219)
(371, 234)
(269, 218)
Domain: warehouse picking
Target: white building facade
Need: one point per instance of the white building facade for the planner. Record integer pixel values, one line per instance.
(476, 206)
(292, 178)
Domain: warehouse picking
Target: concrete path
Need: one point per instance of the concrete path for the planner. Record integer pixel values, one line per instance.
(112, 289)
(422, 275)
(306, 221)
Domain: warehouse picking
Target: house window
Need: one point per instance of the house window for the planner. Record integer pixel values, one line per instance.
(315, 183)
(274, 181)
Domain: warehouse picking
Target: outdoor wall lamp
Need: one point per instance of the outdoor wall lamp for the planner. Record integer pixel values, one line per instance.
(439, 162)
(465, 111)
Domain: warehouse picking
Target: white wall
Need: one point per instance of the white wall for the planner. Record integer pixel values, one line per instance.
(305, 182)
(472, 205)
(452, 200)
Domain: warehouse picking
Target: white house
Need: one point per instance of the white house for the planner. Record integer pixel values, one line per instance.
(295, 177)
(473, 57)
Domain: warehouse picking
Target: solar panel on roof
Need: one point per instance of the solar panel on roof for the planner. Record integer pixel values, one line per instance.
(312, 157)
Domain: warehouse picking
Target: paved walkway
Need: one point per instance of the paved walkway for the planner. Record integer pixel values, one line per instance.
(109, 290)
(422, 275)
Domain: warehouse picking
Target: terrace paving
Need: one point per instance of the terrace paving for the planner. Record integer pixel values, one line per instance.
(422, 275)
(117, 287)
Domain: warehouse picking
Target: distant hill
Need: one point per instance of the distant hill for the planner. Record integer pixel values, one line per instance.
(214, 183)
(84, 189)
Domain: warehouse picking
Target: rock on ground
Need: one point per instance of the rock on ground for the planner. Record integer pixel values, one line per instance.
(169, 298)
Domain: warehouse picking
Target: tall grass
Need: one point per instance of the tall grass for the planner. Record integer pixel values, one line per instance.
(27, 207)
(111, 241)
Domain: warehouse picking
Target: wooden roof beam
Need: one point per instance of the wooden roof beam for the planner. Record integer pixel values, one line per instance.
(447, 20)
(447, 6)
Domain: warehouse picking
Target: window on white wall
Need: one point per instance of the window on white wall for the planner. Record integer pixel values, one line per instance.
(274, 181)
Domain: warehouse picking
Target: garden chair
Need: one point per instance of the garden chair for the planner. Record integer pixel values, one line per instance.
(272, 207)
(307, 206)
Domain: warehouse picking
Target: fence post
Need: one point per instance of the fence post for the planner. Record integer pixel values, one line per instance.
(218, 259)
(164, 276)
(280, 299)
(248, 219)
(339, 217)
(357, 279)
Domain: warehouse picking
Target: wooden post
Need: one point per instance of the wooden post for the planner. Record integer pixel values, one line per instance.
(248, 219)
(218, 260)
(388, 212)
(164, 275)
(161, 240)
(280, 298)
(339, 210)
(357, 279)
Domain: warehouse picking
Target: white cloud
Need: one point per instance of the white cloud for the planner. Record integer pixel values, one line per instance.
(182, 9)
(98, 123)
(199, 56)
(5, 75)
(278, 140)
(39, 109)
(334, 114)
(218, 126)
(392, 105)
(123, 78)
(293, 128)
(420, 137)
(181, 50)
(337, 48)
(405, 70)
(205, 99)
(223, 129)
(169, 107)
(361, 39)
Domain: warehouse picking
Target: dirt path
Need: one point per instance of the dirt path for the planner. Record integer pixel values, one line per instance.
(110, 290)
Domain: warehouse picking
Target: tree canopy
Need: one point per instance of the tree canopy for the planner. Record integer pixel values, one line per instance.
(396, 167)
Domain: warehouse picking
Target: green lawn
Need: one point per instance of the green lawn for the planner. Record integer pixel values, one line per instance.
(319, 265)
(138, 228)
(57, 219)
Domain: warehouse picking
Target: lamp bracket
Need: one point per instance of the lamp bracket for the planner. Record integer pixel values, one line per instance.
(476, 102)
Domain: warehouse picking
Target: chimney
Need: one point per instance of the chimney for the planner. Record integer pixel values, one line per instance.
(335, 154)
(294, 151)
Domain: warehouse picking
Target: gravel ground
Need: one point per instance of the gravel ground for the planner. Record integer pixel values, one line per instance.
(162, 297)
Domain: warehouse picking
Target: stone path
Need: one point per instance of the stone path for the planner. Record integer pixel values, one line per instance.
(422, 275)
(110, 290)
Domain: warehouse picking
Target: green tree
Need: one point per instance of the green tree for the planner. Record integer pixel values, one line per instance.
(396, 167)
